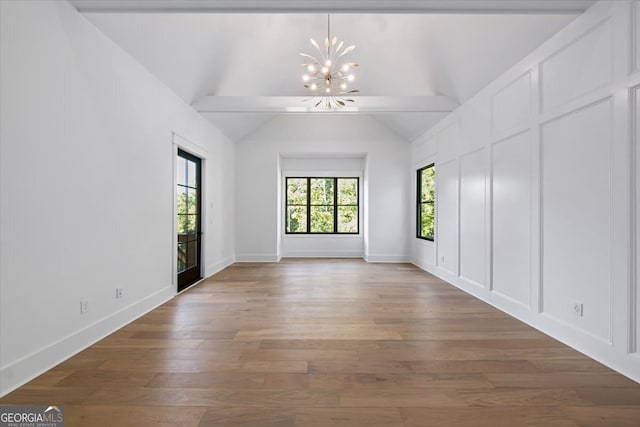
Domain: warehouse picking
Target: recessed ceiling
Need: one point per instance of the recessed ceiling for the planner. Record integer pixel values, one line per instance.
(200, 49)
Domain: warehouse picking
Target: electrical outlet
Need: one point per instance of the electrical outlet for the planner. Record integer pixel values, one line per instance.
(577, 308)
(119, 293)
(84, 306)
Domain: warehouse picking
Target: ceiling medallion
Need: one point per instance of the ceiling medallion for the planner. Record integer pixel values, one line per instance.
(328, 75)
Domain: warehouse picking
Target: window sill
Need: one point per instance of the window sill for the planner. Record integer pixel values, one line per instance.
(322, 235)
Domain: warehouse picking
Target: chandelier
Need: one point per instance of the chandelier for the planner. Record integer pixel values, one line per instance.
(328, 75)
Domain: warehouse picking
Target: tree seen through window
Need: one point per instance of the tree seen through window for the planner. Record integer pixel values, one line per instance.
(322, 205)
(426, 202)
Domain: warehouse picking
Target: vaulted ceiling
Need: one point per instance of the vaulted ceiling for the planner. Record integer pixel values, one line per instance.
(237, 61)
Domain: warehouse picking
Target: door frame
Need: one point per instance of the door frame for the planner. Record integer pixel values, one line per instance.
(180, 142)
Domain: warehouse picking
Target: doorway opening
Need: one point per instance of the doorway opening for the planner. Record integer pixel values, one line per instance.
(189, 214)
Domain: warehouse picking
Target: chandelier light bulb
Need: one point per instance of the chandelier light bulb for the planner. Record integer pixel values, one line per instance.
(327, 70)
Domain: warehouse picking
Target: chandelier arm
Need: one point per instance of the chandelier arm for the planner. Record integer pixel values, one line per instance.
(310, 57)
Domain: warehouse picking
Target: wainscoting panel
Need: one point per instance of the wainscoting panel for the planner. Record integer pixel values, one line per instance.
(511, 217)
(447, 216)
(475, 125)
(425, 149)
(448, 142)
(582, 66)
(562, 209)
(472, 216)
(576, 223)
(635, 30)
(511, 106)
(635, 346)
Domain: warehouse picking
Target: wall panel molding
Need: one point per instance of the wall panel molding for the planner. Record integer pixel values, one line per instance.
(634, 289)
(511, 105)
(577, 157)
(635, 37)
(577, 218)
(447, 215)
(473, 170)
(511, 217)
(449, 142)
(583, 65)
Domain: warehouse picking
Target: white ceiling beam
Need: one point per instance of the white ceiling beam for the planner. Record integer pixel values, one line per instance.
(297, 104)
(336, 6)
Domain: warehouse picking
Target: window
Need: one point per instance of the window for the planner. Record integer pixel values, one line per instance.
(426, 202)
(322, 206)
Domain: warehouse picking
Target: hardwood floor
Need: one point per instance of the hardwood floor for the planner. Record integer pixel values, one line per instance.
(331, 343)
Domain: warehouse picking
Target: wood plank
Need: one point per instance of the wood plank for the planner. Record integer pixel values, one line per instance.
(299, 355)
(331, 343)
(599, 396)
(487, 417)
(212, 397)
(110, 379)
(304, 344)
(569, 365)
(522, 397)
(318, 332)
(217, 380)
(472, 366)
(133, 416)
(48, 395)
(248, 417)
(348, 417)
(208, 365)
(383, 381)
(560, 379)
(401, 397)
(610, 416)
(364, 366)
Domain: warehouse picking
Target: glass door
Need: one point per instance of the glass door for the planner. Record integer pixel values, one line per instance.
(189, 214)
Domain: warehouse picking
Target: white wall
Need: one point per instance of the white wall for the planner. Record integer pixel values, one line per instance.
(635, 123)
(385, 186)
(87, 187)
(317, 165)
(511, 222)
(634, 293)
(534, 176)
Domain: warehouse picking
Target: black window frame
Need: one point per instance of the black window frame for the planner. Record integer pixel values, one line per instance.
(335, 205)
(420, 203)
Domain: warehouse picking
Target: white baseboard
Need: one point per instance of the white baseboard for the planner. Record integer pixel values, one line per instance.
(214, 268)
(257, 258)
(422, 266)
(624, 363)
(322, 254)
(29, 367)
(387, 258)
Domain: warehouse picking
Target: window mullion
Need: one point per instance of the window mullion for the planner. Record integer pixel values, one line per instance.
(422, 204)
(335, 205)
(334, 202)
(419, 203)
(308, 205)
